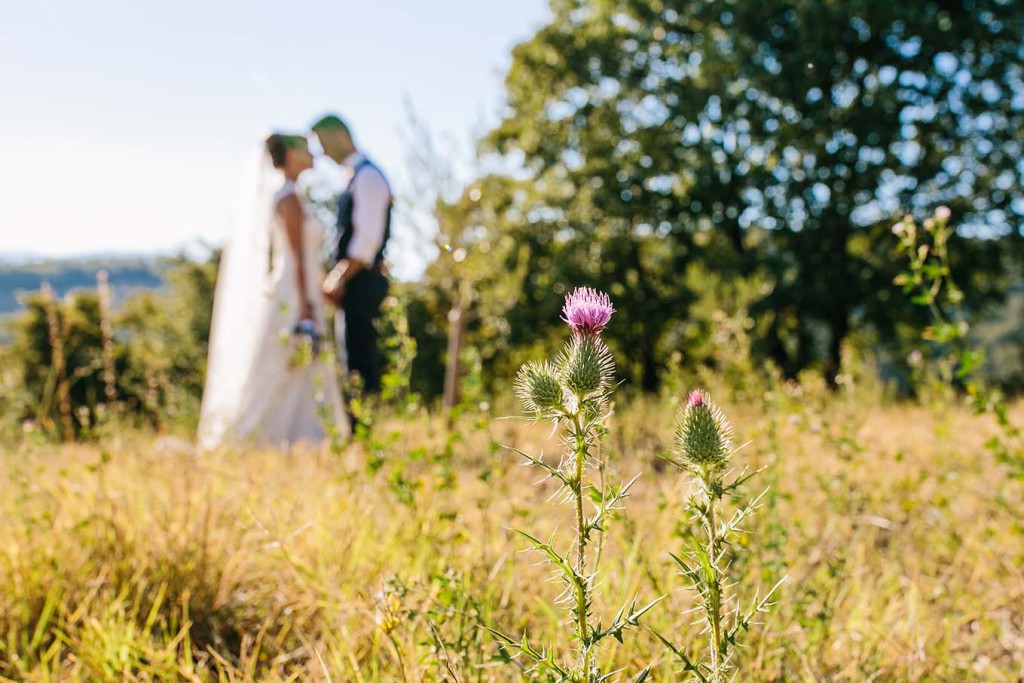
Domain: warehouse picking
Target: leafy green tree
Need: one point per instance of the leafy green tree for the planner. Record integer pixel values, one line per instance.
(158, 354)
(776, 139)
(77, 321)
(168, 333)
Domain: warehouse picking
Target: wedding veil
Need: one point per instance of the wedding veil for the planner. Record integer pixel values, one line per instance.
(240, 303)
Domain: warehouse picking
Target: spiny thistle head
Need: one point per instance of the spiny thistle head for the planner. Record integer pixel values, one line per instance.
(587, 310)
(703, 434)
(538, 388)
(586, 365)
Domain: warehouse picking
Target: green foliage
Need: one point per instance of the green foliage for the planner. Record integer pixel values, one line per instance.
(928, 282)
(400, 352)
(158, 352)
(772, 141)
(77, 321)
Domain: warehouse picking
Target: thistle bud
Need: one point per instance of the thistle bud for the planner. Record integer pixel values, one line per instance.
(703, 434)
(537, 387)
(586, 366)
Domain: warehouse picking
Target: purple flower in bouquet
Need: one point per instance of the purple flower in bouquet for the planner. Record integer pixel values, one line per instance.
(587, 310)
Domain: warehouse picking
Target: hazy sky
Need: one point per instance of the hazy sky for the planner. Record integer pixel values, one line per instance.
(124, 125)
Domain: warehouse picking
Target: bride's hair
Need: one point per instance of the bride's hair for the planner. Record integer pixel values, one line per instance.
(278, 145)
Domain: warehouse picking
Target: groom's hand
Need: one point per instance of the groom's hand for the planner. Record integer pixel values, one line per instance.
(333, 287)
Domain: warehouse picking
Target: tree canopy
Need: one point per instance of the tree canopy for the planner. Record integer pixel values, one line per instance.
(773, 142)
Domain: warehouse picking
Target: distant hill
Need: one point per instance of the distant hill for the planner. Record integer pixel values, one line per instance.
(126, 274)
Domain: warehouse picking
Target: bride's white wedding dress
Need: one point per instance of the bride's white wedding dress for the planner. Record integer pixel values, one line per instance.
(260, 390)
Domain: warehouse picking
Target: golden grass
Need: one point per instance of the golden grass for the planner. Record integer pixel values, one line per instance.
(137, 559)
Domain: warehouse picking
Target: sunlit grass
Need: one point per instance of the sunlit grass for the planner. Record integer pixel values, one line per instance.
(136, 559)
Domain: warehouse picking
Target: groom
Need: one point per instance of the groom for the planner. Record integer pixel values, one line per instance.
(357, 283)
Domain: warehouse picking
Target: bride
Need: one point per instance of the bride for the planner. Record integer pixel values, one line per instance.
(265, 383)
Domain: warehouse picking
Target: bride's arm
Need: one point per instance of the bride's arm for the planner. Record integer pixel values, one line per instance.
(293, 218)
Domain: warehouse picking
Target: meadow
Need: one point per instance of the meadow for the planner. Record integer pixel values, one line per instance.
(132, 557)
(809, 209)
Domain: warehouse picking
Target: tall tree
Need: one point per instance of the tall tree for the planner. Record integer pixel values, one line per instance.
(779, 136)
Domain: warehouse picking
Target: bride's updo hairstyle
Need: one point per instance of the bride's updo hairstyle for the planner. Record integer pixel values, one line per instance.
(278, 145)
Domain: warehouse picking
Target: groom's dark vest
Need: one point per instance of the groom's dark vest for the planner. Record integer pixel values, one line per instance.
(346, 230)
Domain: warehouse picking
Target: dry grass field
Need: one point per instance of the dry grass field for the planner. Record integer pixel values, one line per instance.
(134, 558)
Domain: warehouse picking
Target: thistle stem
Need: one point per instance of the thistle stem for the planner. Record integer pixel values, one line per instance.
(714, 611)
(712, 487)
(582, 627)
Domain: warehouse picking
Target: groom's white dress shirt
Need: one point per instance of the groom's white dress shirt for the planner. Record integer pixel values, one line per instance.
(371, 201)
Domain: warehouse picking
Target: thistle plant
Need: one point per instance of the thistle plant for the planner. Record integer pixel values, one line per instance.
(573, 391)
(928, 280)
(703, 448)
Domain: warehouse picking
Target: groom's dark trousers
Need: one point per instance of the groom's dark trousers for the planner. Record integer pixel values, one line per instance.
(363, 298)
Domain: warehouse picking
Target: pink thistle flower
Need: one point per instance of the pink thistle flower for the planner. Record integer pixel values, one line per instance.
(587, 310)
(695, 398)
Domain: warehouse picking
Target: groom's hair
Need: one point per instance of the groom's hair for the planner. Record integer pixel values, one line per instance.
(331, 122)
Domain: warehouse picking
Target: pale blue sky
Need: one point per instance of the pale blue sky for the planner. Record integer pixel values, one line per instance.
(124, 124)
